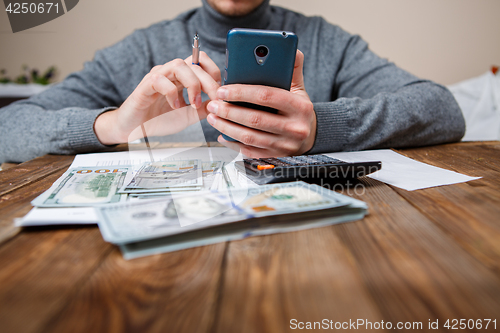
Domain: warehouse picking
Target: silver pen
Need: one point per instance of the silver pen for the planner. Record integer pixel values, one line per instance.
(196, 50)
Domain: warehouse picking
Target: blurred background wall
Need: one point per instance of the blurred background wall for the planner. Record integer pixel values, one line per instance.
(443, 40)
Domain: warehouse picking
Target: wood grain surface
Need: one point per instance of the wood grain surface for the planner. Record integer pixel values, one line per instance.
(173, 292)
(16, 192)
(5, 166)
(468, 212)
(40, 269)
(308, 276)
(431, 254)
(413, 269)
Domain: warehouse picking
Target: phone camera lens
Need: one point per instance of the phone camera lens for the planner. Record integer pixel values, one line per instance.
(261, 51)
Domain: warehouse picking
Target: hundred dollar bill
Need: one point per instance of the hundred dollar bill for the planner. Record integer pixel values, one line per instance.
(85, 186)
(289, 198)
(142, 220)
(210, 171)
(164, 176)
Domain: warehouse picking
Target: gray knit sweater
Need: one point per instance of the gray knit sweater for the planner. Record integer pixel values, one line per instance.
(361, 101)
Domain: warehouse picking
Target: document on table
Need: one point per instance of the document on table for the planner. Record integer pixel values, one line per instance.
(138, 157)
(404, 172)
(58, 216)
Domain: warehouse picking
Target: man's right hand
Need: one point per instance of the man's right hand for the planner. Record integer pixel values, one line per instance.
(159, 93)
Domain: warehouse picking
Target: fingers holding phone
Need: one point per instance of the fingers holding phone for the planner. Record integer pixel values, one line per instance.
(263, 108)
(291, 131)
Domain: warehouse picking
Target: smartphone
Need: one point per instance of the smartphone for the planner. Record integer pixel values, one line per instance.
(260, 57)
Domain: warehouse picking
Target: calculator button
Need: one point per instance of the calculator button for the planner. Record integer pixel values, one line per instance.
(273, 161)
(307, 159)
(265, 167)
(285, 160)
(298, 161)
(330, 160)
(255, 163)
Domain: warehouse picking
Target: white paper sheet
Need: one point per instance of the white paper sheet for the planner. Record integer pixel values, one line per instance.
(403, 172)
(137, 157)
(57, 216)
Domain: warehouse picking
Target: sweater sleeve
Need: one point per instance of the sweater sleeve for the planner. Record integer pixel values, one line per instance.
(61, 119)
(375, 104)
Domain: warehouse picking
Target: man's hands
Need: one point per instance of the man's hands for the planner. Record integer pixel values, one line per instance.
(160, 93)
(290, 132)
(260, 134)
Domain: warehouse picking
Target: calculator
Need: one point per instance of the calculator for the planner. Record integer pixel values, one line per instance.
(305, 167)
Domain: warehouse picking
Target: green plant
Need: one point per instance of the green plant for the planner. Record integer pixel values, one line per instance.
(30, 76)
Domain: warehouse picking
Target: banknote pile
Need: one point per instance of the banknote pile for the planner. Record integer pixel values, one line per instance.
(166, 176)
(93, 186)
(184, 221)
(170, 205)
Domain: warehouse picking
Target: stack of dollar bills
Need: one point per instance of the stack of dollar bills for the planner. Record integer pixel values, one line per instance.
(92, 186)
(154, 179)
(183, 221)
(166, 206)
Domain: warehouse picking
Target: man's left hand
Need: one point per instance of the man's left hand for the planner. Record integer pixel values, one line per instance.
(291, 131)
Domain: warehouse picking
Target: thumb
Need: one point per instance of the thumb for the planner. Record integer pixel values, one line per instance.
(298, 75)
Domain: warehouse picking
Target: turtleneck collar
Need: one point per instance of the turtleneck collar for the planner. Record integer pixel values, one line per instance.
(212, 26)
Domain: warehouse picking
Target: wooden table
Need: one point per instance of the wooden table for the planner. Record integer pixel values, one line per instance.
(431, 254)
